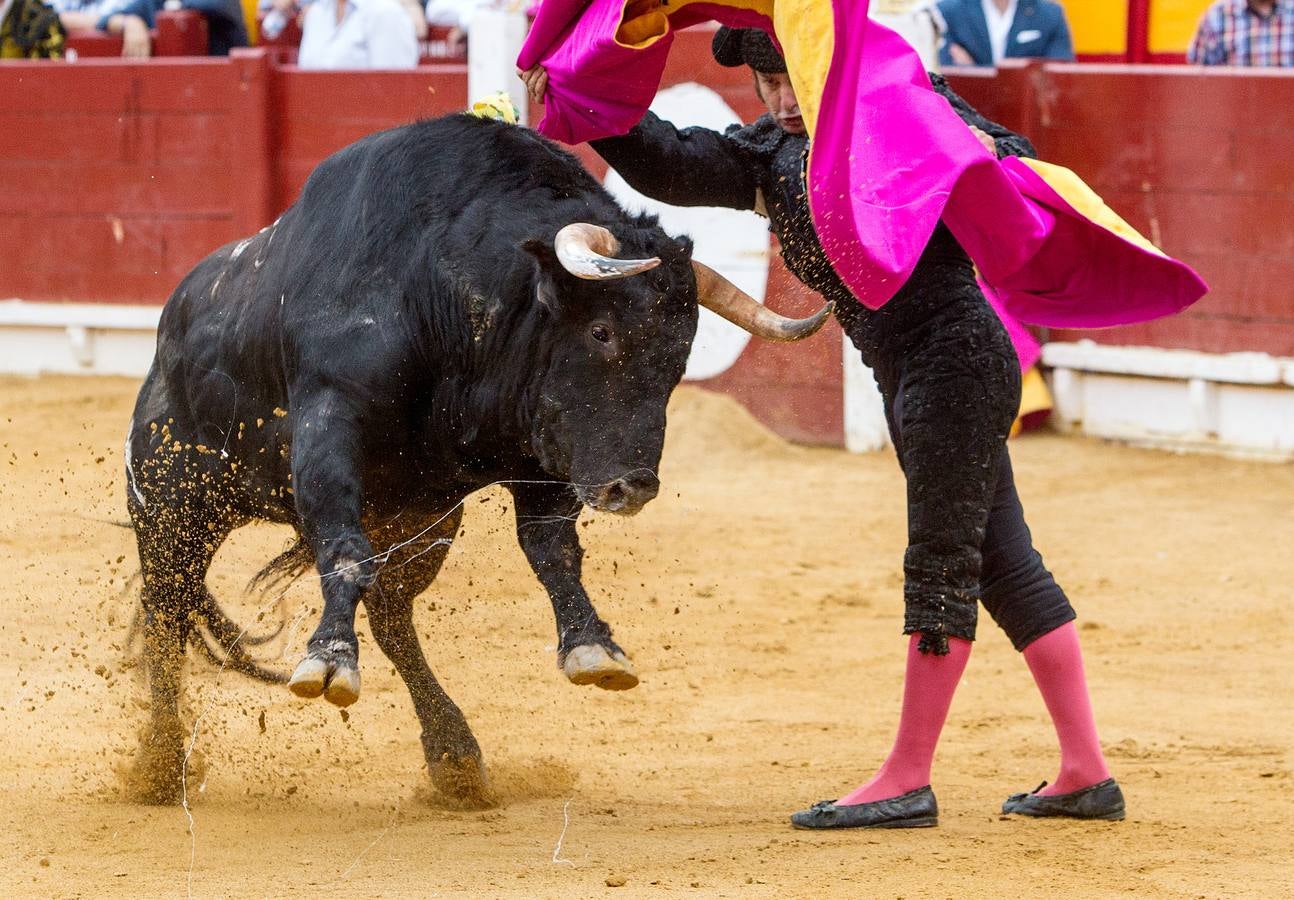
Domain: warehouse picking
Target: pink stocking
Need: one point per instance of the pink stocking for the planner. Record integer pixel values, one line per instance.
(1057, 666)
(928, 689)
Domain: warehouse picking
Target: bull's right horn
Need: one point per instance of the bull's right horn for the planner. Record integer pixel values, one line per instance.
(589, 251)
(721, 296)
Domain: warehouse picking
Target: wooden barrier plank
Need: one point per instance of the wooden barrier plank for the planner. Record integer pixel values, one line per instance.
(1184, 223)
(1244, 284)
(381, 96)
(104, 258)
(1147, 156)
(1169, 96)
(116, 189)
(27, 136)
(190, 84)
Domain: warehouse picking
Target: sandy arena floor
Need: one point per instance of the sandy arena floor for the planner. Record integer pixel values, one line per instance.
(758, 598)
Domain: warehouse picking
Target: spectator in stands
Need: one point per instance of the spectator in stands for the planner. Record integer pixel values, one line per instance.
(29, 29)
(413, 8)
(133, 19)
(984, 32)
(278, 13)
(456, 15)
(107, 15)
(357, 34)
(1245, 33)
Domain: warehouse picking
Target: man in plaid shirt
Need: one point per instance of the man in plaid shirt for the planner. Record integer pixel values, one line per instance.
(1245, 33)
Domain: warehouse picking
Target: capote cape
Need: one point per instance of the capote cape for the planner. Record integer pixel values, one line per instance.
(888, 158)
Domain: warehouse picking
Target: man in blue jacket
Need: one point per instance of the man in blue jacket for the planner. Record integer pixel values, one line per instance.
(984, 32)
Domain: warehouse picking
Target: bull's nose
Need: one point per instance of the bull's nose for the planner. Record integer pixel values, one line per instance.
(628, 493)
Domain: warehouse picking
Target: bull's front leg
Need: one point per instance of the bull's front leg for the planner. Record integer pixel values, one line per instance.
(328, 492)
(546, 519)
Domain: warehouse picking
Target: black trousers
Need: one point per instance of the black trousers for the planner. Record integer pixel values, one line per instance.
(967, 536)
(951, 384)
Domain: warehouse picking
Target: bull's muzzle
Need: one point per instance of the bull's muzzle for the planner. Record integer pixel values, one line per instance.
(626, 495)
(588, 251)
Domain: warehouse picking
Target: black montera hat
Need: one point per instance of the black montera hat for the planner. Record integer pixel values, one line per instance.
(747, 47)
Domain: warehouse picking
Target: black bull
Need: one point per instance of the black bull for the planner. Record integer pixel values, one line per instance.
(411, 330)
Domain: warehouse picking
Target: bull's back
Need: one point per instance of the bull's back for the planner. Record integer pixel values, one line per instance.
(429, 172)
(457, 183)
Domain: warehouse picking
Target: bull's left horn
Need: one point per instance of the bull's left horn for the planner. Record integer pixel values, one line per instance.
(588, 251)
(721, 296)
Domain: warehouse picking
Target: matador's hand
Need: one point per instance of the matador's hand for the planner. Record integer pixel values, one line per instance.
(986, 139)
(536, 79)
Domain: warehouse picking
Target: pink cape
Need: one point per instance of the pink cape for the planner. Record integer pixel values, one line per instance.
(889, 158)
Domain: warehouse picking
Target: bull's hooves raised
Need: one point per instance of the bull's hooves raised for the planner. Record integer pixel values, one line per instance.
(309, 679)
(343, 687)
(337, 682)
(594, 664)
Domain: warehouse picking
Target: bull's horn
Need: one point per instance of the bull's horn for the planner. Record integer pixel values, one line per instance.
(721, 296)
(588, 251)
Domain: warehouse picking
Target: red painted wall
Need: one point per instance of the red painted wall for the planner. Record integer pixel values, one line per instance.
(119, 176)
(315, 114)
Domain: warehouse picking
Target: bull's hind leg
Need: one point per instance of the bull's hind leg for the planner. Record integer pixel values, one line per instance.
(176, 546)
(453, 756)
(546, 517)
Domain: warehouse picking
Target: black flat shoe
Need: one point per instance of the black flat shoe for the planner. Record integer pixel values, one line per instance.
(915, 809)
(1102, 800)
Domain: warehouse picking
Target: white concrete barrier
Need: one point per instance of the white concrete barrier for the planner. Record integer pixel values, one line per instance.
(77, 338)
(1239, 404)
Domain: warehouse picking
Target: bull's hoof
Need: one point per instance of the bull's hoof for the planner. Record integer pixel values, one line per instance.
(462, 782)
(331, 673)
(594, 664)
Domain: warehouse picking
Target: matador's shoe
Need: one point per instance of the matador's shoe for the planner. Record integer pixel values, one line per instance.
(915, 809)
(1102, 800)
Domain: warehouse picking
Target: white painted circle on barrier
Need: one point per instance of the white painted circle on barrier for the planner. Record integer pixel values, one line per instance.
(733, 242)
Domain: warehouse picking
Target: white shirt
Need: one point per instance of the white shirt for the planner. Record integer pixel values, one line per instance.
(454, 13)
(373, 34)
(999, 26)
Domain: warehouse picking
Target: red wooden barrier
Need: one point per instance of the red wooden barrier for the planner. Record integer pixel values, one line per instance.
(317, 113)
(124, 174)
(120, 174)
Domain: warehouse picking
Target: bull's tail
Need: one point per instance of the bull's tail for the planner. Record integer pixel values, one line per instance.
(224, 642)
(214, 634)
(282, 570)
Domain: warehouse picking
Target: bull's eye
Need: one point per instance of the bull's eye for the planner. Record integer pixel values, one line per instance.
(600, 333)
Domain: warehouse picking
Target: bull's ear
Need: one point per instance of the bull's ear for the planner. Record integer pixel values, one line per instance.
(546, 258)
(543, 253)
(684, 244)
